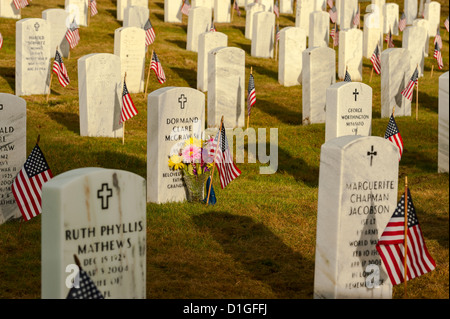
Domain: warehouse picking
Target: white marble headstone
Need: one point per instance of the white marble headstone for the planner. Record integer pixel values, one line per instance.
(395, 74)
(226, 87)
(172, 11)
(9, 10)
(391, 18)
(13, 142)
(349, 110)
(286, 6)
(199, 21)
(292, 44)
(372, 31)
(33, 56)
(251, 9)
(59, 22)
(135, 16)
(268, 4)
(222, 11)
(78, 10)
(443, 145)
(410, 8)
(207, 41)
(100, 93)
(203, 3)
(319, 29)
(302, 14)
(358, 182)
(347, 12)
(174, 115)
(426, 25)
(350, 56)
(414, 38)
(129, 45)
(318, 73)
(98, 215)
(263, 37)
(432, 13)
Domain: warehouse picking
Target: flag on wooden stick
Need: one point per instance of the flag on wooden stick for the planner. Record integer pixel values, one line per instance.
(156, 66)
(402, 22)
(251, 94)
(185, 7)
(27, 185)
(438, 56)
(446, 24)
(276, 10)
(409, 89)
(438, 39)
(19, 4)
(73, 34)
(392, 134)
(376, 60)
(333, 14)
(1, 40)
(93, 7)
(128, 108)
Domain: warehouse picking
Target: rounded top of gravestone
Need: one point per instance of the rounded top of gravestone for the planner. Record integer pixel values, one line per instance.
(347, 141)
(99, 56)
(255, 6)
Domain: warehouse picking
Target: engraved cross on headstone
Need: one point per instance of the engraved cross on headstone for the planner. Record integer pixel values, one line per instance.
(371, 154)
(356, 94)
(182, 100)
(36, 26)
(104, 194)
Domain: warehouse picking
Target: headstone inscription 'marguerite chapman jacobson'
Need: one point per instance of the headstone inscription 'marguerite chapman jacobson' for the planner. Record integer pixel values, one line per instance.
(13, 142)
(78, 9)
(174, 115)
(199, 21)
(350, 53)
(349, 110)
(226, 87)
(33, 56)
(9, 10)
(98, 215)
(57, 18)
(443, 148)
(292, 45)
(318, 73)
(353, 211)
(395, 74)
(263, 37)
(100, 91)
(207, 41)
(129, 45)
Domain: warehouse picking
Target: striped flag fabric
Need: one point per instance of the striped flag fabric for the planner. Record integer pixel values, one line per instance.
(1, 40)
(277, 33)
(185, 7)
(60, 70)
(19, 4)
(228, 171)
(389, 40)
(149, 33)
(376, 60)
(437, 38)
(157, 67)
(128, 108)
(212, 28)
(276, 10)
(347, 77)
(392, 134)
(391, 245)
(408, 90)
(251, 94)
(335, 35)
(333, 14)
(93, 6)
(357, 18)
(402, 22)
(27, 185)
(86, 290)
(446, 24)
(73, 35)
(438, 56)
(236, 7)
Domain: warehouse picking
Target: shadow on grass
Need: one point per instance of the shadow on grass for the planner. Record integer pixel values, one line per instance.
(112, 12)
(281, 112)
(426, 101)
(246, 47)
(159, 16)
(160, 4)
(240, 28)
(117, 160)
(261, 253)
(9, 74)
(69, 120)
(180, 43)
(298, 168)
(187, 75)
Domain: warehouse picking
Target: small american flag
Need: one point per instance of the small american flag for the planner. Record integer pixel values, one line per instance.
(277, 34)
(438, 39)
(149, 33)
(185, 7)
(330, 3)
(408, 90)
(27, 185)
(347, 77)
(156, 66)
(251, 94)
(392, 134)
(402, 22)
(357, 18)
(93, 6)
(333, 14)
(389, 40)
(73, 35)
(20, 4)
(276, 10)
(60, 70)
(391, 245)
(438, 56)
(446, 24)
(128, 108)
(236, 7)
(212, 28)
(86, 290)
(1, 40)
(335, 35)
(376, 60)
(225, 165)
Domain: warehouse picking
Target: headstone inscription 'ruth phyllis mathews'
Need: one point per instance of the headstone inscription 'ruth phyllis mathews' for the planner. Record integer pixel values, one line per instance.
(174, 115)
(349, 110)
(98, 215)
(358, 182)
(13, 140)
